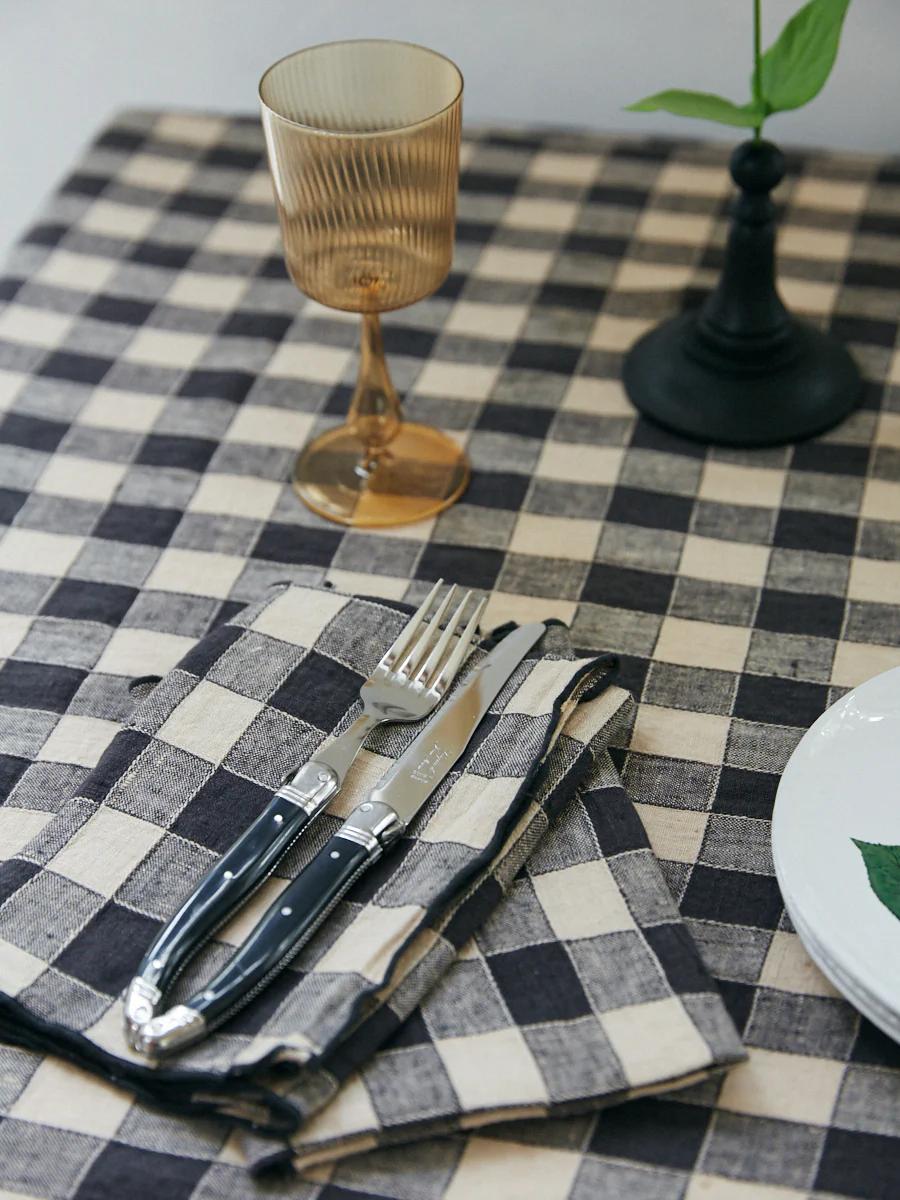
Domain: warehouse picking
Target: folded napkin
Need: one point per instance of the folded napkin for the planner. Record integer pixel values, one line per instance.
(516, 954)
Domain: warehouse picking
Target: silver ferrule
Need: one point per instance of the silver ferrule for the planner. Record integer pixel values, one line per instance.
(311, 788)
(140, 1000)
(373, 825)
(170, 1031)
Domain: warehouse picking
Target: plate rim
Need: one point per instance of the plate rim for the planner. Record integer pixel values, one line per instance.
(845, 970)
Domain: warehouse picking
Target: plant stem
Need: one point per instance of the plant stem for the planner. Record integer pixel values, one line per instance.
(757, 63)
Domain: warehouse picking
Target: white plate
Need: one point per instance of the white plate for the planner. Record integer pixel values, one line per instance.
(843, 782)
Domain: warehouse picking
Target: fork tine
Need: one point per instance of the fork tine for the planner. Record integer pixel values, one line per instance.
(454, 662)
(419, 648)
(432, 665)
(410, 628)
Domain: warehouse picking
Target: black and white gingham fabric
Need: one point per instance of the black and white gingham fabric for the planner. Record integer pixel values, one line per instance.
(152, 349)
(585, 989)
(581, 990)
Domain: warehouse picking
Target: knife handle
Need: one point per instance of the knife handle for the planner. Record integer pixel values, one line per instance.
(223, 889)
(281, 932)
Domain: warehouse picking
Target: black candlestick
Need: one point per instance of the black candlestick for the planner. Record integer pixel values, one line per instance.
(742, 371)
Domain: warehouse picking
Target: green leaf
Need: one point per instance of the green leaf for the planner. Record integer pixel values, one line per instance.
(795, 68)
(883, 868)
(704, 105)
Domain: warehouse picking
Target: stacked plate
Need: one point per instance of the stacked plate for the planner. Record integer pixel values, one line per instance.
(843, 783)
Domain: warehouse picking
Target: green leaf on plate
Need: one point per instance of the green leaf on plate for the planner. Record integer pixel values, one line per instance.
(796, 66)
(704, 105)
(883, 868)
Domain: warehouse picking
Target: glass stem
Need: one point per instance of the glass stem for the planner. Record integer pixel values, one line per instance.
(375, 408)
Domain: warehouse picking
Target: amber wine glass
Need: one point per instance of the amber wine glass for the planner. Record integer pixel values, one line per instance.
(363, 145)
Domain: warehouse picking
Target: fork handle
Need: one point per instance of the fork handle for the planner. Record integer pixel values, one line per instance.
(224, 888)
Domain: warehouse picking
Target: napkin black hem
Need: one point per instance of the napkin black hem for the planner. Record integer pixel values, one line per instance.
(416, 1131)
(186, 1093)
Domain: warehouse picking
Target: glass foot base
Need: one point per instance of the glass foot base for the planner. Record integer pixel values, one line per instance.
(421, 472)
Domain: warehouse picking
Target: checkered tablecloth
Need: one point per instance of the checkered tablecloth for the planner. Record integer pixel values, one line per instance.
(157, 375)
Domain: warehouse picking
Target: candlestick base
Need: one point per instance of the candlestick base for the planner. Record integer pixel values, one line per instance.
(741, 395)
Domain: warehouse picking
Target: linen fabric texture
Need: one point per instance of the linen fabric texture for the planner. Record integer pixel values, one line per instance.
(516, 953)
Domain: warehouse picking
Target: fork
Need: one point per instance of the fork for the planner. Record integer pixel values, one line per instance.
(408, 683)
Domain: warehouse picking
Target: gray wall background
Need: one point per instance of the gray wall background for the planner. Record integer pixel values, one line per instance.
(66, 65)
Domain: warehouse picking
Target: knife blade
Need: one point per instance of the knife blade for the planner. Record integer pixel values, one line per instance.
(373, 826)
(408, 783)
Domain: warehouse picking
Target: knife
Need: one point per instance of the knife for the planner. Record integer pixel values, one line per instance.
(376, 823)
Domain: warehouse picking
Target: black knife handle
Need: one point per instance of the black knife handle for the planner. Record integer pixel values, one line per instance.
(224, 888)
(288, 923)
(284, 928)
